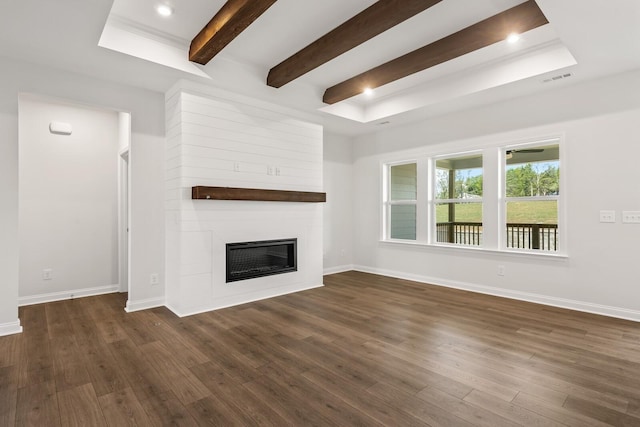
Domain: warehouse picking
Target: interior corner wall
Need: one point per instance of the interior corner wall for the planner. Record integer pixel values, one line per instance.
(147, 146)
(339, 210)
(601, 173)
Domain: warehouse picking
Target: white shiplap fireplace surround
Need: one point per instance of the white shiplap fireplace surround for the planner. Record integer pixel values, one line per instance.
(219, 139)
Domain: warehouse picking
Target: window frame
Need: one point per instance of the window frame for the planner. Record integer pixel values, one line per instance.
(558, 198)
(388, 203)
(433, 201)
(494, 200)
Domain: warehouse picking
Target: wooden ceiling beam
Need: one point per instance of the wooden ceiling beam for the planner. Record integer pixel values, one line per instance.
(232, 19)
(374, 20)
(518, 19)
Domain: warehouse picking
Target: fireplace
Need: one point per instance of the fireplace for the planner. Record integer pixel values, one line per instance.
(248, 260)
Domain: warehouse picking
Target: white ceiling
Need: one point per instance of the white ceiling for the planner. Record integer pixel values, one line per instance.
(128, 42)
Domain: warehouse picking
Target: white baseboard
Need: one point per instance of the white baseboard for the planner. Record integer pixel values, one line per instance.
(10, 328)
(64, 295)
(338, 269)
(587, 307)
(238, 300)
(143, 304)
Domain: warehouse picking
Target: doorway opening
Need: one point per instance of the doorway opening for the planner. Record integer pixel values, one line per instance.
(74, 180)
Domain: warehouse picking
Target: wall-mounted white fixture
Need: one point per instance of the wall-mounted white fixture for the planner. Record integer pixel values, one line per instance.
(607, 216)
(631, 217)
(60, 128)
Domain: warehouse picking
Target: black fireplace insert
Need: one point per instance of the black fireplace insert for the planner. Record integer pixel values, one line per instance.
(248, 260)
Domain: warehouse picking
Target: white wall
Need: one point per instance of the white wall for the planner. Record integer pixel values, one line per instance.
(216, 138)
(339, 209)
(9, 322)
(147, 109)
(68, 200)
(146, 227)
(601, 170)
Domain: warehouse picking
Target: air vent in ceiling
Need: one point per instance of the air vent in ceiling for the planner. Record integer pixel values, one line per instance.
(558, 77)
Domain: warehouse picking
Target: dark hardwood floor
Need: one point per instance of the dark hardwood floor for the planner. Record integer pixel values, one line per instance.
(363, 350)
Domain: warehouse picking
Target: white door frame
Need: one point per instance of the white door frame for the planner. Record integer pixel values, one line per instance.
(124, 215)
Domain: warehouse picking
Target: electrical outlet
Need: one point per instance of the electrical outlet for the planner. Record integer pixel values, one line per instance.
(607, 216)
(236, 166)
(269, 170)
(47, 274)
(631, 217)
(154, 279)
(501, 270)
(277, 171)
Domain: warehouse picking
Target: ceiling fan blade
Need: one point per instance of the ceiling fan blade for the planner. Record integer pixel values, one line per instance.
(526, 150)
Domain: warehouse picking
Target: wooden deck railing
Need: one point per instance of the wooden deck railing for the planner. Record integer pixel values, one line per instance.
(524, 236)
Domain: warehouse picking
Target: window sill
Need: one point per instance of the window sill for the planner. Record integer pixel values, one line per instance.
(477, 250)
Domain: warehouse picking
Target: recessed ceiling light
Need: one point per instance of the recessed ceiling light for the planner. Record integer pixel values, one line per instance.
(513, 37)
(368, 91)
(164, 10)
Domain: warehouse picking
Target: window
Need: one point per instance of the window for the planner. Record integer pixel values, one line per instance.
(458, 200)
(532, 188)
(400, 209)
(498, 198)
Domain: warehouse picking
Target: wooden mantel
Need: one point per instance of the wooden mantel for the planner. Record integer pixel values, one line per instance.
(255, 194)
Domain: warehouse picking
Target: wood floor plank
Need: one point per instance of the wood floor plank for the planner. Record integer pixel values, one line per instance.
(460, 408)
(122, 408)
(362, 350)
(105, 373)
(409, 376)
(451, 370)
(544, 380)
(225, 388)
(557, 413)
(34, 320)
(110, 330)
(185, 386)
(8, 395)
(209, 341)
(165, 409)
(371, 405)
(11, 350)
(187, 354)
(508, 410)
(211, 411)
(330, 406)
(271, 351)
(294, 408)
(143, 380)
(601, 413)
(68, 365)
(79, 406)
(37, 360)
(322, 327)
(58, 321)
(419, 408)
(321, 355)
(38, 405)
